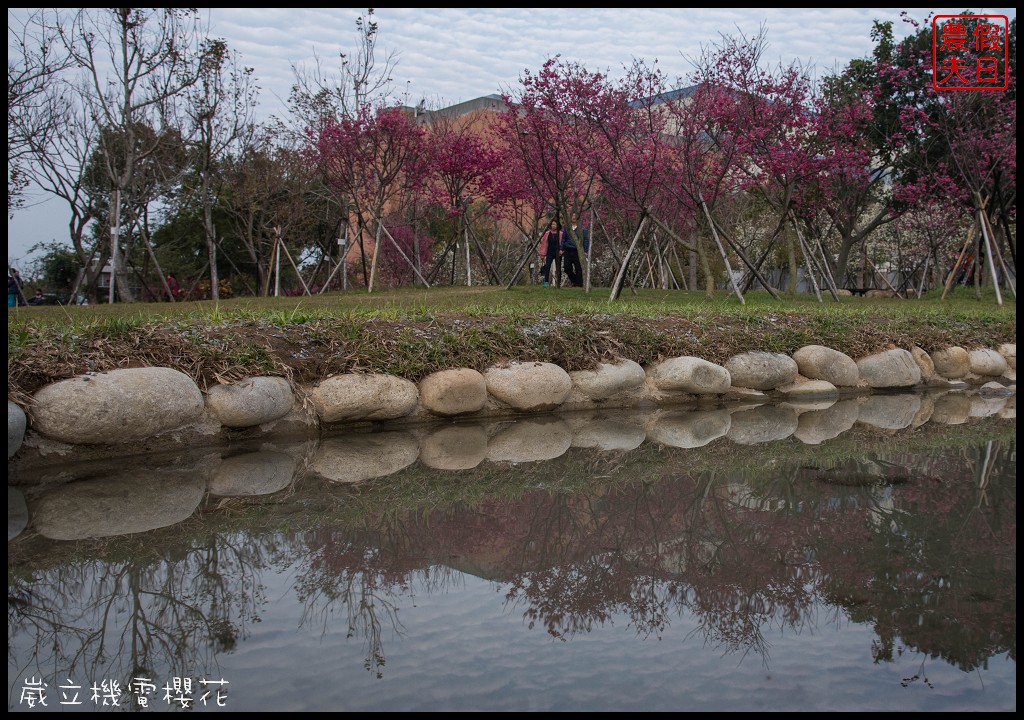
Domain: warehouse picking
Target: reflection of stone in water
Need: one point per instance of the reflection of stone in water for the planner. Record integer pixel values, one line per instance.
(358, 457)
(256, 473)
(952, 409)
(889, 412)
(689, 429)
(762, 424)
(17, 513)
(924, 412)
(530, 440)
(607, 434)
(454, 447)
(817, 426)
(1009, 411)
(986, 406)
(116, 506)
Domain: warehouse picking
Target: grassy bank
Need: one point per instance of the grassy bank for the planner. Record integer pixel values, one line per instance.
(414, 332)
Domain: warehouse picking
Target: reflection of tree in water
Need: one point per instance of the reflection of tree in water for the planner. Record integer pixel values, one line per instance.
(944, 565)
(120, 619)
(366, 581)
(744, 558)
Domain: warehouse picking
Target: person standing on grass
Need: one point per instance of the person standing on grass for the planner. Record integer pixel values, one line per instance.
(551, 251)
(14, 293)
(572, 240)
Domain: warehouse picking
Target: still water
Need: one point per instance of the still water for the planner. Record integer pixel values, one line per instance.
(819, 558)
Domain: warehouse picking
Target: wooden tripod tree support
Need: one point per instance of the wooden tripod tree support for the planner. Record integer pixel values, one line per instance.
(380, 227)
(809, 258)
(620, 275)
(959, 261)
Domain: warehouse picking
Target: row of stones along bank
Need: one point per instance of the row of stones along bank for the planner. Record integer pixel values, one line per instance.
(140, 403)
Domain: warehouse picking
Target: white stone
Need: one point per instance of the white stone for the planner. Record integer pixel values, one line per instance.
(364, 397)
(250, 402)
(761, 370)
(1009, 352)
(994, 389)
(116, 406)
(818, 362)
(529, 386)
(987, 363)
(608, 380)
(951, 363)
(690, 375)
(924, 363)
(809, 389)
(453, 392)
(16, 424)
(889, 369)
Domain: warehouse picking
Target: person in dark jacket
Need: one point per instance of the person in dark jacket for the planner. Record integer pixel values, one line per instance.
(572, 241)
(551, 251)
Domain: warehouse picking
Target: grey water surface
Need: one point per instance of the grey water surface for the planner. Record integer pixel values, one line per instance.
(857, 555)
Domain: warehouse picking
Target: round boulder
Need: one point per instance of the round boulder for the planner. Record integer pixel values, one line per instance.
(691, 375)
(1009, 351)
(987, 363)
(529, 386)
(890, 369)
(16, 424)
(608, 379)
(952, 362)
(761, 370)
(364, 397)
(250, 402)
(453, 392)
(115, 406)
(818, 362)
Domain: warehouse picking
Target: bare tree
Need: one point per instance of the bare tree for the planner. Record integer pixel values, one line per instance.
(321, 94)
(220, 109)
(136, 63)
(34, 111)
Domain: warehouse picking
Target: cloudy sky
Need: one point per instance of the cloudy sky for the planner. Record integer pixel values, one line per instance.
(447, 55)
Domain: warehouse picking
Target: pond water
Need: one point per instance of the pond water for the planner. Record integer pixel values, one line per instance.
(723, 559)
